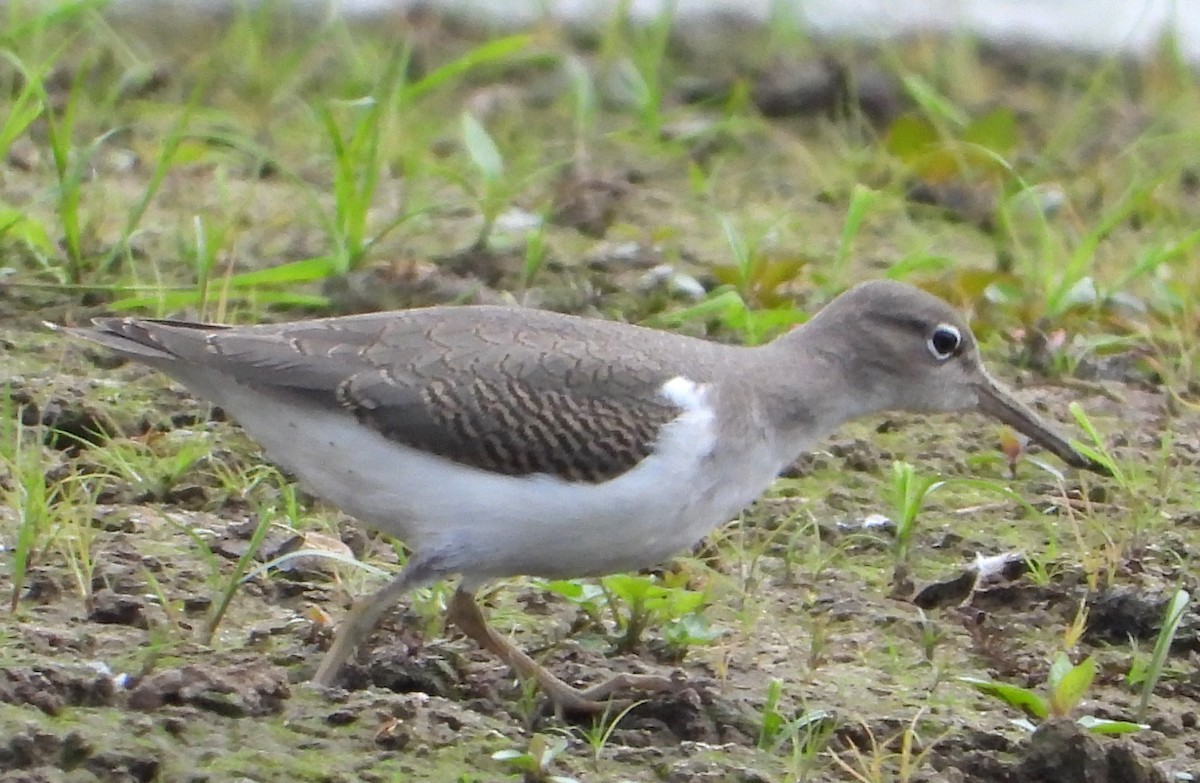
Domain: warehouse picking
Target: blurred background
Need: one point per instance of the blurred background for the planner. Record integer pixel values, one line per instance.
(1104, 26)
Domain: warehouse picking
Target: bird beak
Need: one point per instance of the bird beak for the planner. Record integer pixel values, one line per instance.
(999, 402)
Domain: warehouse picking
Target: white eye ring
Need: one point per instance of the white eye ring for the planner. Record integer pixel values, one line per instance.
(944, 342)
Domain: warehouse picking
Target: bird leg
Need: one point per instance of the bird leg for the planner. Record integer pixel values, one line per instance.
(465, 614)
(362, 618)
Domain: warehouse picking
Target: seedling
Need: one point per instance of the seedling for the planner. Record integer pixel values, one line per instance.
(76, 536)
(208, 243)
(818, 640)
(932, 635)
(1073, 633)
(155, 464)
(70, 167)
(646, 602)
(358, 163)
(728, 308)
(588, 596)
(636, 55)
(359, 156)
(1097, 449)
(490, 190)
(945, 144)
(23, 108)
(862, 201)
(635, 602)
(527, 704)
(909, 493)
(175, 625)
(1066, 686)
(761, 280)
(1038, 570)
(171, 142)
(234, 580)
(535, 255)
(583, 91)
(38, 504)
(601, 731)
(1162, 647)
(806, 731)
(534, 763)
(877, 762)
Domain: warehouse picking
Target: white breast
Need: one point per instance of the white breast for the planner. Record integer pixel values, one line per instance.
(488, 525)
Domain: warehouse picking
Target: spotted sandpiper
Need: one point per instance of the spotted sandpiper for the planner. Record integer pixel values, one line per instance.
(500, 441)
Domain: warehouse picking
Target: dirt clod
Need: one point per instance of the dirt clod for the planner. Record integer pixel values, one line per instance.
(50, 688)
(68, 425)
(112, 608)
(587, 204)
(1061, 751)
(1120, 614)
(249, 689)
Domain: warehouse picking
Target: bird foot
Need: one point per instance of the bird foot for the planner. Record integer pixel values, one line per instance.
(464, 613)
(598, 699)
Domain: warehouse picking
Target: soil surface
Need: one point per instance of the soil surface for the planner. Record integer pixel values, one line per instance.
(114, 684)
(815, 656)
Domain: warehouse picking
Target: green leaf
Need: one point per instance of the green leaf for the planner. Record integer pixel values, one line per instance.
(1139, 668)
(1097, 451)
(1059, 666)
(630, 588)
(919, 262)
(24, 109)
(932, 102)
(691, 629)
(910, 137)
(759, 325)
(293, 273)
(1106, 726)
(1023, 699)
(862, 199)
(18, 226)
(627, 86)
(996, 131)
(483, 151)
(492, 51)
(676, 601)
(722, 305)
(772, 719)
(573, 591)
(304, 271)
(1071, 686)
(584, 92)
(1162, 647)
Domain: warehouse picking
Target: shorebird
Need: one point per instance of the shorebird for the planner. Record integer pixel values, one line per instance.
(502, 441)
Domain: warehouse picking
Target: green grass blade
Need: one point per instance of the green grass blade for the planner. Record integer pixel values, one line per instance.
(1176, 608)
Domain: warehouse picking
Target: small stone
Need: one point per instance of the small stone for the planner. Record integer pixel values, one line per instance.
(109, 608)
(1061, 751)
(342, 717)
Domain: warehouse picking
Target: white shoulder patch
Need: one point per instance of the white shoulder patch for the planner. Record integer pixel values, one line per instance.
(693, 433)
(686, 393)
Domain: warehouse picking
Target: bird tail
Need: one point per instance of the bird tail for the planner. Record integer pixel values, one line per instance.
(137, 338)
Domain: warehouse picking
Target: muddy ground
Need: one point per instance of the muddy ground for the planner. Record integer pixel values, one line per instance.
(116, 686)
(818, 661)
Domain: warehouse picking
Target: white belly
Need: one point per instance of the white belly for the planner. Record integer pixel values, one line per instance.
(486, 525)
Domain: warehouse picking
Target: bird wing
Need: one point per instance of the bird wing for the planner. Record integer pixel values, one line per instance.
(505, 390)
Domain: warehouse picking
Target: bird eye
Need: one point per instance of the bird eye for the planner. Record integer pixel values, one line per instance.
(944, 342)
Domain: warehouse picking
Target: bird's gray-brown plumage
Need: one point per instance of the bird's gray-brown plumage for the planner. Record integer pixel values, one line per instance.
(508, 391)
(654, 438)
